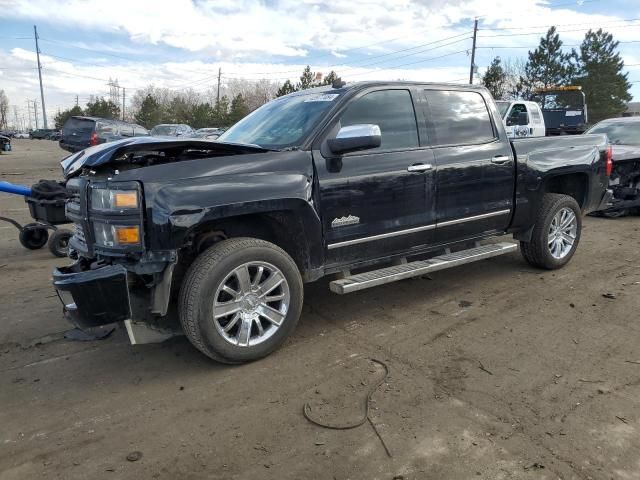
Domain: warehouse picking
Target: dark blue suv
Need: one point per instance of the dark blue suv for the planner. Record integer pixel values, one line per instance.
(79, 133)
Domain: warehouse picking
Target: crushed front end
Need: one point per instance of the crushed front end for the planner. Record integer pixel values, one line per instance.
(114, 278)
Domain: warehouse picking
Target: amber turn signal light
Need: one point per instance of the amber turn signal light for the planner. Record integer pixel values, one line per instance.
(125, 200)
(127, 235)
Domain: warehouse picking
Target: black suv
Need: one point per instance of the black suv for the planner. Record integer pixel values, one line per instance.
(79, 133)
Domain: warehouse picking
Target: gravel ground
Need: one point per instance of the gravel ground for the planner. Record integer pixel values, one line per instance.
(496, 371)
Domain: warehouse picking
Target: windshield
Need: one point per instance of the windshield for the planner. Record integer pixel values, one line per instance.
(283, 122)
(503, 107)
(166, 130)
(619, 133)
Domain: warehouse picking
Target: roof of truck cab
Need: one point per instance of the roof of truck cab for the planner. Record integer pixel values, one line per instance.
(352, 86)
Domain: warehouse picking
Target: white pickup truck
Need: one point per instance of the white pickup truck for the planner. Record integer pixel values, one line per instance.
(522, 119)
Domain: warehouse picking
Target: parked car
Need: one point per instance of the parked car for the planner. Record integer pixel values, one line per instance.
(624, 135)
(21, 135)
(208, 133)
(79, 132)
(394, 179)
(521, 118)
(42, 133)
(5, 144)
(172, 130)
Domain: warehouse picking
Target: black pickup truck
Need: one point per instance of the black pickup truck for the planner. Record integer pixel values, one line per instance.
(373, 182)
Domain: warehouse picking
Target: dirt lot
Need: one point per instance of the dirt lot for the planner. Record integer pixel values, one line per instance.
(497, 371)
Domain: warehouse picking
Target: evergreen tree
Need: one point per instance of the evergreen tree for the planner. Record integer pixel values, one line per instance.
(307, 79)
(495, 79)
(238, 110)
(600, 74)
(547, 66)
(286, 88)
(150, 113)
(330, 78)
(221, 112)
(63, 116)
(99, 107)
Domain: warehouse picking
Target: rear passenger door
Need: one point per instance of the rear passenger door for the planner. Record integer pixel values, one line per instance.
(475, 177)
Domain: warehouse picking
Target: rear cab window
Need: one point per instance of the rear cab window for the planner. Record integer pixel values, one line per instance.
(458, 118)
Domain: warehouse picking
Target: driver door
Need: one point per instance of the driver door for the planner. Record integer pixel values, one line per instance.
(379, 201)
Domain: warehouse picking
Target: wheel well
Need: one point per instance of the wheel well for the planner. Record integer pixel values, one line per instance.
(282, 228)
(574, 185)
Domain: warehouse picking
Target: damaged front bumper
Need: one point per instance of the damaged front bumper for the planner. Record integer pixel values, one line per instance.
(93, 295)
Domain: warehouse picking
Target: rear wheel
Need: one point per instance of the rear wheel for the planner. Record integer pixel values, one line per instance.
(556, 232)
(33, 236)
(240, 299)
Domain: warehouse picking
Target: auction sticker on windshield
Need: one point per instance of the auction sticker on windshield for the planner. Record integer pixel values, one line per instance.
(322, 97)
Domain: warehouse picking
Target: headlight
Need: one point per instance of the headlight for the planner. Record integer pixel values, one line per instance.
(110, 235)
(114, 200)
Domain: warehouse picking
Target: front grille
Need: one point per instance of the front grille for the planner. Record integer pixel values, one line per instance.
(78, 233)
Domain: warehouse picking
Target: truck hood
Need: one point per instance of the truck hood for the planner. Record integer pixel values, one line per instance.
(622, 153)
(106, 153)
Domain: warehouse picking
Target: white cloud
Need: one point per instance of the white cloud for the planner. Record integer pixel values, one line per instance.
(245, 36)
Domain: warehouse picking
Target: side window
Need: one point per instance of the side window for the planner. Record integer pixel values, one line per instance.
(517, 109)
(106, 129)
(392, 111)
(126, 130)
(535, 115)
(459, 118)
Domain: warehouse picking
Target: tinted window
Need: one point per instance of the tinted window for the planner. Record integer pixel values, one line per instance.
(515, 113)
(392, 111)
(78, 125)
(459, 118)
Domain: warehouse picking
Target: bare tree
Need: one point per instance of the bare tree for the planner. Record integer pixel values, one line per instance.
(4, 109)
(515, 74)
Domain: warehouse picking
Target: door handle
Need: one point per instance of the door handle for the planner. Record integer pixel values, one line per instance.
(420, 167)
(501, 159)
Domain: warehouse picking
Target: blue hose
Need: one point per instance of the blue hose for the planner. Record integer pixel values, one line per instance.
(7, 187)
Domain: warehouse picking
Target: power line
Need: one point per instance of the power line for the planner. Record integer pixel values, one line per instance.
(410, 63)
(543, 33)
(560, 25)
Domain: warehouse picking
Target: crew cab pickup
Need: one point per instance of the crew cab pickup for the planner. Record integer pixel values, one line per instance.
(371, 182)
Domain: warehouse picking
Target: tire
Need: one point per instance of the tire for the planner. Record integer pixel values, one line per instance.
(33, 236)
(58, 243)
(541, 252)
(205, 293)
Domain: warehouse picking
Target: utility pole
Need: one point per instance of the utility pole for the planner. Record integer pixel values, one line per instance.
(76, 100)
(29, 112)
(44, 112)
(15, 114)
(218, 95)
(473, 52)
(35, 112)
(123, 100)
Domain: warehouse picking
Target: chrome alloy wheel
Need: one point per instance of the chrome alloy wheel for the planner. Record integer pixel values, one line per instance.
(251, 303)
(562, 233)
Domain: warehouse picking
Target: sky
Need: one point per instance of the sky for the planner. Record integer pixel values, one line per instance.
(181, 44)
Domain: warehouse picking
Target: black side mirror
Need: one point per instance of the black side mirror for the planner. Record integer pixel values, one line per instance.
(523, 118)
(354, 138)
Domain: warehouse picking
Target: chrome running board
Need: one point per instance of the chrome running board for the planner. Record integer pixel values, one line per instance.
(394, 273)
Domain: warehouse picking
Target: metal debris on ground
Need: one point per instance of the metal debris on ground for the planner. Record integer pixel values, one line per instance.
(306, 411)
(611, 296)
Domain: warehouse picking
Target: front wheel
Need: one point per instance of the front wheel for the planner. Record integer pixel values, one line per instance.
(556, 232)
(240, 299)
